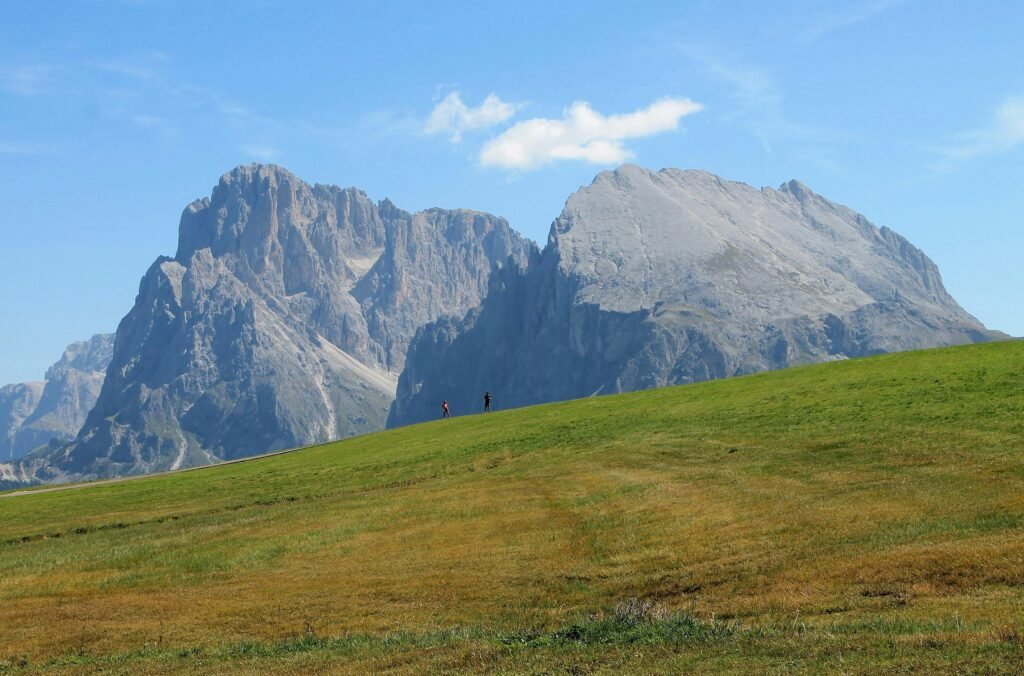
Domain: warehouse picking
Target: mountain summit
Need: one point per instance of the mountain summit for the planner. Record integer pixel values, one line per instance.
(282, 320)
(657, 278)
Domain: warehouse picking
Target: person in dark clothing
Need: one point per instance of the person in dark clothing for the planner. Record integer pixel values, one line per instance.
(487, 402)
(445, 413)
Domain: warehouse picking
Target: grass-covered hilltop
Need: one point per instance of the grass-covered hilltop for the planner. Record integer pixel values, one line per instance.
(854, 516)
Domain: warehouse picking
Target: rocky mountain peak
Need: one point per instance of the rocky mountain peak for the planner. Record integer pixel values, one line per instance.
(257, 211)
(282, 320)
(90, 356)
(635, 238)
(658, 277)
(798, 190)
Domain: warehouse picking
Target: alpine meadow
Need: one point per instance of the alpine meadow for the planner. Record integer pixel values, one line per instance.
(852, 516)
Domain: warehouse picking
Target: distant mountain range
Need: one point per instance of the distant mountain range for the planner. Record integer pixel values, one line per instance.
(288, 312)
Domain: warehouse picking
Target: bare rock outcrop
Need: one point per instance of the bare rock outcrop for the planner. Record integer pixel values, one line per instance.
(17, 402)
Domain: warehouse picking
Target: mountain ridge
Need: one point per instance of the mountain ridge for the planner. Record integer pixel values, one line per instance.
(280, 321)
(291, 313)
(656, 278)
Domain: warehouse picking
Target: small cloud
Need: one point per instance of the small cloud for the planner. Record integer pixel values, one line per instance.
(150, 121)
(1004, 131)
(130, 69)
(161, 127)
(758, 102)
(753, 86)
(583, 134)
(260, 152)
(24, 149)
(232, 109)
(453, 116)
(848, 15)
(28, 80)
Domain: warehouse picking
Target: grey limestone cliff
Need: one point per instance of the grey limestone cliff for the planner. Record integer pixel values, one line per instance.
(17, 401)
(658, 278)
(283, 319)
(34, 414)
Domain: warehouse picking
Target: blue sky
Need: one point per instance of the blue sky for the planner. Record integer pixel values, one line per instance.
(115, 114)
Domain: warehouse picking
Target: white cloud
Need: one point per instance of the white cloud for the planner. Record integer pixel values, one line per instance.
(453, 116)
(847, 15)
(260, 151)
(20, 148)
(1004, 130)
(27, 80)
(758, 97)
(582, 134)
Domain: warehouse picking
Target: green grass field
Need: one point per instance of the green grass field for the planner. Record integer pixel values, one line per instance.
(858, 516)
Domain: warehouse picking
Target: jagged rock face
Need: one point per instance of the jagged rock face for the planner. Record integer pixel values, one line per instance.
(34, 414)
(658, 278)
(16, 404)
(282, 320)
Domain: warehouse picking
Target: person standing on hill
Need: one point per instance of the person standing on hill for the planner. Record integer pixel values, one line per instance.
(487, 402)
(445, 413)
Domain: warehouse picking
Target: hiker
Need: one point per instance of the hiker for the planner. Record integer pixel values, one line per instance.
(445, 413)
(487, 402)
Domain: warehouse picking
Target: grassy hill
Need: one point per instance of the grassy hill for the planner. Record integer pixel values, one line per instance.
(859, 515)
